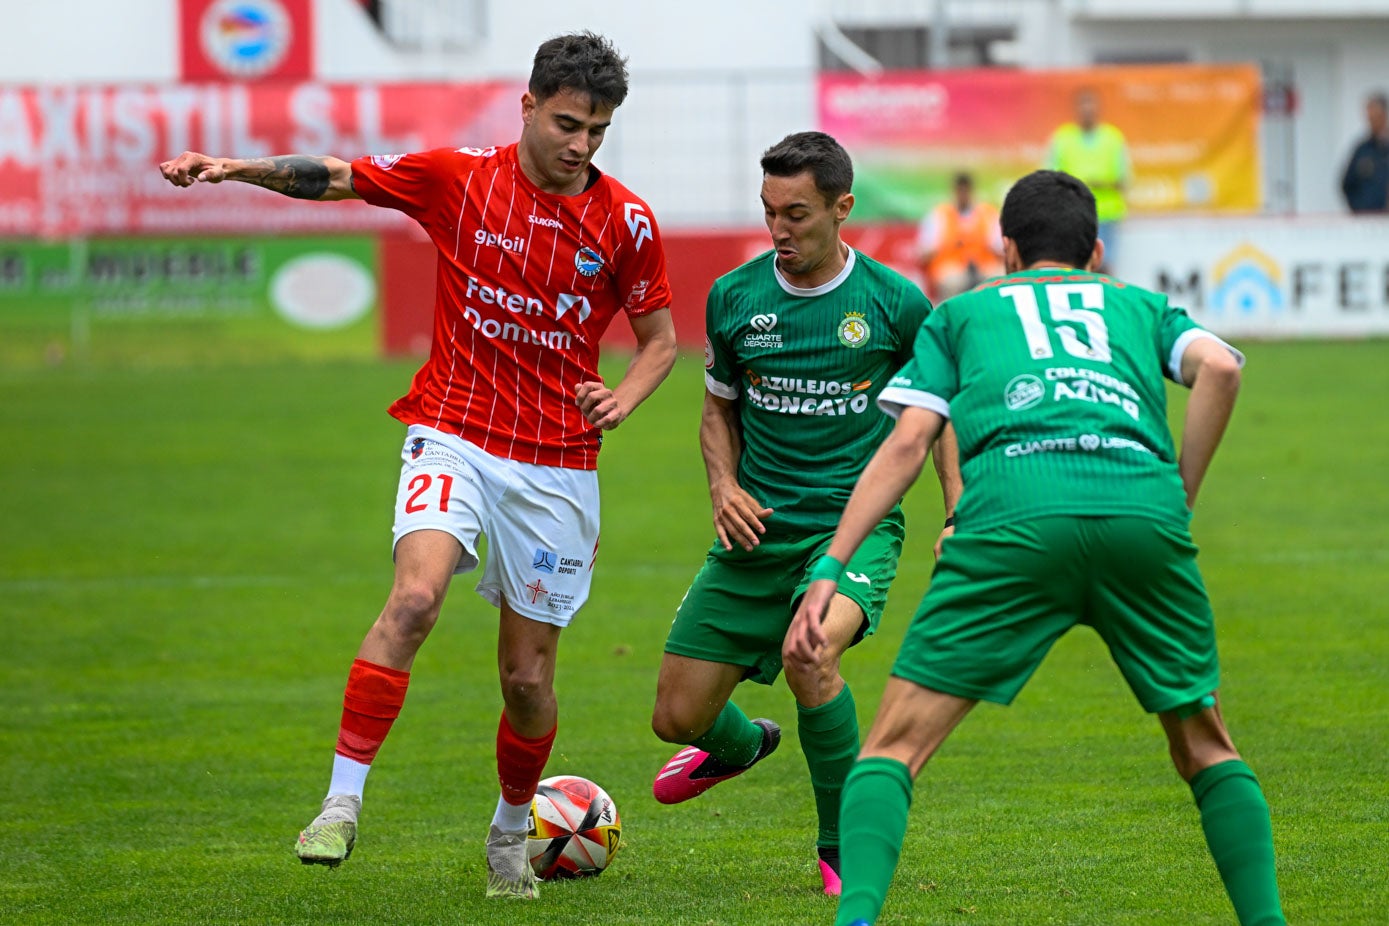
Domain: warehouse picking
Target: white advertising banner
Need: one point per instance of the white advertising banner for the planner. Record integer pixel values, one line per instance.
(1266, 276)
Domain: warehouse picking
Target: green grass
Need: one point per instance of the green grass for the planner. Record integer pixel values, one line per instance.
(189, 557)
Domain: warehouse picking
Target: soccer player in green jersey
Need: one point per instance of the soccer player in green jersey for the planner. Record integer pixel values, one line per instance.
(801, 340)
(1074, 511)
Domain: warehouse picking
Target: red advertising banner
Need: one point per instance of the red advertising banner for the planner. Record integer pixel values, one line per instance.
(85, 160)
(246, 40)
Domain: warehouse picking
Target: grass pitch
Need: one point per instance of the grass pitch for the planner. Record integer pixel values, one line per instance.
(189, 557)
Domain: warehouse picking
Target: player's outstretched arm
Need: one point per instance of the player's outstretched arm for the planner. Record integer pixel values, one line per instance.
(1214, 376)
(880, 486)
(651, 363)
(738, 516)
(299, 176)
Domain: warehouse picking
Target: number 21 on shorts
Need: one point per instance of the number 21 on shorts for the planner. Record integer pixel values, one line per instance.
(422, 495)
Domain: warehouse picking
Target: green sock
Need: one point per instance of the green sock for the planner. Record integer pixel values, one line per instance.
(1235, 817)
(733, 739)
(873, 821)
(829, 739)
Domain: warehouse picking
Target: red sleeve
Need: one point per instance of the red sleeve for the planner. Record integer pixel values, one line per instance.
(641, 276)
(407, 182)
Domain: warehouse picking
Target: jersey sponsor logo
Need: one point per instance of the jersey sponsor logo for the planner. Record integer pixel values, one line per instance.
(1085, 385)
(1085, 443)
(516, 244)
(795, 396)
(566, 301)
(854, 330)
(544, 220)
(479, 152)
(1022, 392)
(638, 223)
(520, 305)
(543, 560)
(386, 161)
(761, 337)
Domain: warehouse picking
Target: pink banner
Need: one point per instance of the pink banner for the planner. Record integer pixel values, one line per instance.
(84, 160)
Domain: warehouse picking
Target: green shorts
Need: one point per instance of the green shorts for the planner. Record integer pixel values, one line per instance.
(1000, 598)
(740, 605)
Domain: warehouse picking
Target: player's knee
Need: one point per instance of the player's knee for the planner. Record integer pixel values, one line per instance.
(672, 724)
(412, 610)
(526, 689)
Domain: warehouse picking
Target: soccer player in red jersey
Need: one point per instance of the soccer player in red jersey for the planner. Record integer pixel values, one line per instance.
(537, 252)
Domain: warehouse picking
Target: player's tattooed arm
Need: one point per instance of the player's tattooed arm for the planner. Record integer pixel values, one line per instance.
(296, 175)
(299, 176)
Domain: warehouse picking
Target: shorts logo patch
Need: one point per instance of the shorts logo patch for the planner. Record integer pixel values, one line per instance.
(859, 577)
(854, 330)
(543, 561)
(416, 448)
(536, 590)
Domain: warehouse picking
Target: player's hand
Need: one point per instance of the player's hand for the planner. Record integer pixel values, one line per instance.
(806, 637)
(940, 541)
(599, 405)
(191, 167)
(738, 516)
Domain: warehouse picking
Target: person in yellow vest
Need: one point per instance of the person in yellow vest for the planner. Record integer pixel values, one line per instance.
(958, 243)
(1096, 153)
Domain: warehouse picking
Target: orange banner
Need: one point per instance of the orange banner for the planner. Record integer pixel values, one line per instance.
(1192, 132)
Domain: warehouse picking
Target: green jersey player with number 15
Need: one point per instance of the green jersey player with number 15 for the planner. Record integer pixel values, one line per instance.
(801, 341)
(1075, 511)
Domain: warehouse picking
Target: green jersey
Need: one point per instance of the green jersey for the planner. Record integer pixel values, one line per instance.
(1053, 380)
(806, 367)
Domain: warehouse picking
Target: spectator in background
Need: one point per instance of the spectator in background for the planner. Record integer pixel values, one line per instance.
(959, 243)
(1366, 181)
(1096, 153)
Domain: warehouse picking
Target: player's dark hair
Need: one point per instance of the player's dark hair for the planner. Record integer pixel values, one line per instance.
(1050, 216)
(1379, 99)
(816, 152)
(584, 62)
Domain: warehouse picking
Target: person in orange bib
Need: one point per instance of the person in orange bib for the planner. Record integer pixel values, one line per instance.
(959, 244)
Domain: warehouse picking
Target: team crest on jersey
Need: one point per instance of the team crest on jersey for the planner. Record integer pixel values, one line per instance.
(854, 330)
(588, 261)
(386, 161)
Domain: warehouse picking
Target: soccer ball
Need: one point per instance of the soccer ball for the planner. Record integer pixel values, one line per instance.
(574, 829)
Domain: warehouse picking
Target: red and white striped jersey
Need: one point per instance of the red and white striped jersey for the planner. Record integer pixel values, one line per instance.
(527, 283)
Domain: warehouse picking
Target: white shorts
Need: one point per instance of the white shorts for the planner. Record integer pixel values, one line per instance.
(541, 522)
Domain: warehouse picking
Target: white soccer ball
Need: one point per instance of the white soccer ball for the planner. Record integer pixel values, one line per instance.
(574, 829)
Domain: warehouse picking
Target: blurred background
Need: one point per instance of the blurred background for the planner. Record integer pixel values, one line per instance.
(1246, 133)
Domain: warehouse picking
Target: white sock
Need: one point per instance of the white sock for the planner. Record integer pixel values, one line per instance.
(512, 818)
(349, 776)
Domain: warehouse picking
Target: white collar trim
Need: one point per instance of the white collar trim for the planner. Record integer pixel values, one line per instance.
(827, 286)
